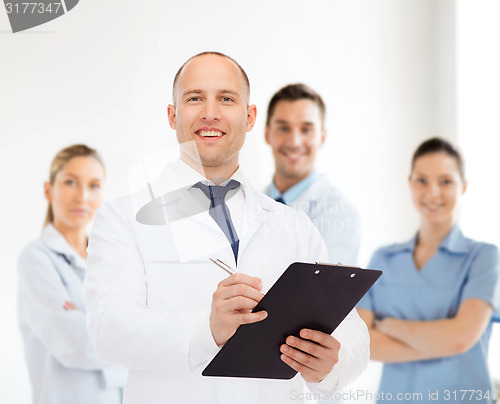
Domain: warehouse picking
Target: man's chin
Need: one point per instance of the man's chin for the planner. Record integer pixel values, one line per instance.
(208, 162)
(293, 173)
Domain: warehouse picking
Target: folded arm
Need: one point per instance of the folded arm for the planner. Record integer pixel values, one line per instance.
(42, 297)
(395, 340)
(383, 348)
(441, 338)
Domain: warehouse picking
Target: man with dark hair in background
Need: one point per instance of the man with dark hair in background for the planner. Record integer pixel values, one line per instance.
(295, 130)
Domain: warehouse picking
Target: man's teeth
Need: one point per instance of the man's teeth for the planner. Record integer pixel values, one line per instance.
(210, 133)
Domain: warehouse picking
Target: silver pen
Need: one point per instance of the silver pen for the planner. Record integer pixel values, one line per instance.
(224, 266)
(227, 268)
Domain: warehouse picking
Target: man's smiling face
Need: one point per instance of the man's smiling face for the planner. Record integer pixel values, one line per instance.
(295, 134)
(211, 115)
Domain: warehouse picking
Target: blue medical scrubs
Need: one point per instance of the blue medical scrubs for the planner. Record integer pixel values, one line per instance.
(461, 269)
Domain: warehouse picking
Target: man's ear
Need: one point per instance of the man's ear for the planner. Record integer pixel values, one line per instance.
(47, 191)
(323, 137)
(464, 187)
(266, 134)
(251, 117)
(171, 115)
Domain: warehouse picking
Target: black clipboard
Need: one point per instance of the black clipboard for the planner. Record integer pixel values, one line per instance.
(315, 296)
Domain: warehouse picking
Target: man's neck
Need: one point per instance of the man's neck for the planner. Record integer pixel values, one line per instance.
(283, 183)
(217, 174)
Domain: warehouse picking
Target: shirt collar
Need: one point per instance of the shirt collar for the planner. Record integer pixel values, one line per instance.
(292, 193)
(186, 177)
(403, 247)
(454, 242)
(55, 241)
(179, 175)
(238, 176)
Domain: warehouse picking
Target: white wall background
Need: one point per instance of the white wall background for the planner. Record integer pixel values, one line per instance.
(392, 73)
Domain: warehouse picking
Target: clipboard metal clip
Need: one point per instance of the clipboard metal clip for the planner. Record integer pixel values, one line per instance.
(338, 264)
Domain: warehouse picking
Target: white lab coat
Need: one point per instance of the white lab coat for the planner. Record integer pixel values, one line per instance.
(149, 289)
(62, 364)
(334, 216)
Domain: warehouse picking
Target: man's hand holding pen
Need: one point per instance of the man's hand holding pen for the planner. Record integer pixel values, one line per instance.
(313, 354)
(232, 304)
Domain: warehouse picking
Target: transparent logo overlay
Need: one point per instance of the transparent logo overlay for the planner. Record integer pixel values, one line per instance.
(24, 15)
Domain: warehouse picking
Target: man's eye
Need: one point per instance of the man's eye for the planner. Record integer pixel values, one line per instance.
(421, 181)
(70, 182)
(226, 99)
(95, 186)
(283, 129)
(446, 182)
(194, 99)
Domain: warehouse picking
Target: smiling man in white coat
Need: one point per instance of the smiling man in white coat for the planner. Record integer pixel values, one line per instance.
(157, 304)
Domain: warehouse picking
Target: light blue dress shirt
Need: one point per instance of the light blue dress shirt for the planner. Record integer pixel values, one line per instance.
(461, 269)
(292, 193)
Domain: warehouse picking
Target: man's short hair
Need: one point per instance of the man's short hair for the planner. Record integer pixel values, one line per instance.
(295, 92)
(178, 74)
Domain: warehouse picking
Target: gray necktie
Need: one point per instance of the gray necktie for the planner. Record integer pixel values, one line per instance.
(220, 212)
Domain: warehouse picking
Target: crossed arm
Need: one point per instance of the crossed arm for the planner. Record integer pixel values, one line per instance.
(394, 340)
(50, 315)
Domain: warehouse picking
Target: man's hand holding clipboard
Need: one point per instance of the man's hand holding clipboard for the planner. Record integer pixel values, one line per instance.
(258, 348)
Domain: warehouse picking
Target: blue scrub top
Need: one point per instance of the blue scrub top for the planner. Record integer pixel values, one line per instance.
(461, 269)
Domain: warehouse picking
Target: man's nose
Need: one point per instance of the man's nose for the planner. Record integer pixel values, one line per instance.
(211, 111)
(295, 138)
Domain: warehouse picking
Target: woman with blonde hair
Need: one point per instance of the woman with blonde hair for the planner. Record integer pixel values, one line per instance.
(429, 315)
(62, 364)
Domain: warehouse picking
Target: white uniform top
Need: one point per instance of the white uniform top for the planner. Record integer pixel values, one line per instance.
(331, 212)
(62, 364)
(150, 282)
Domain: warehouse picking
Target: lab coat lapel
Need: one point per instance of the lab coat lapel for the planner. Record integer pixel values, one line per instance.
(56, 242)
(257, 207)
(196, 234)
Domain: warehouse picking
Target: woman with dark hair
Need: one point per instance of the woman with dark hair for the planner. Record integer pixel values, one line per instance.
(62, 364)
(429, 315)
